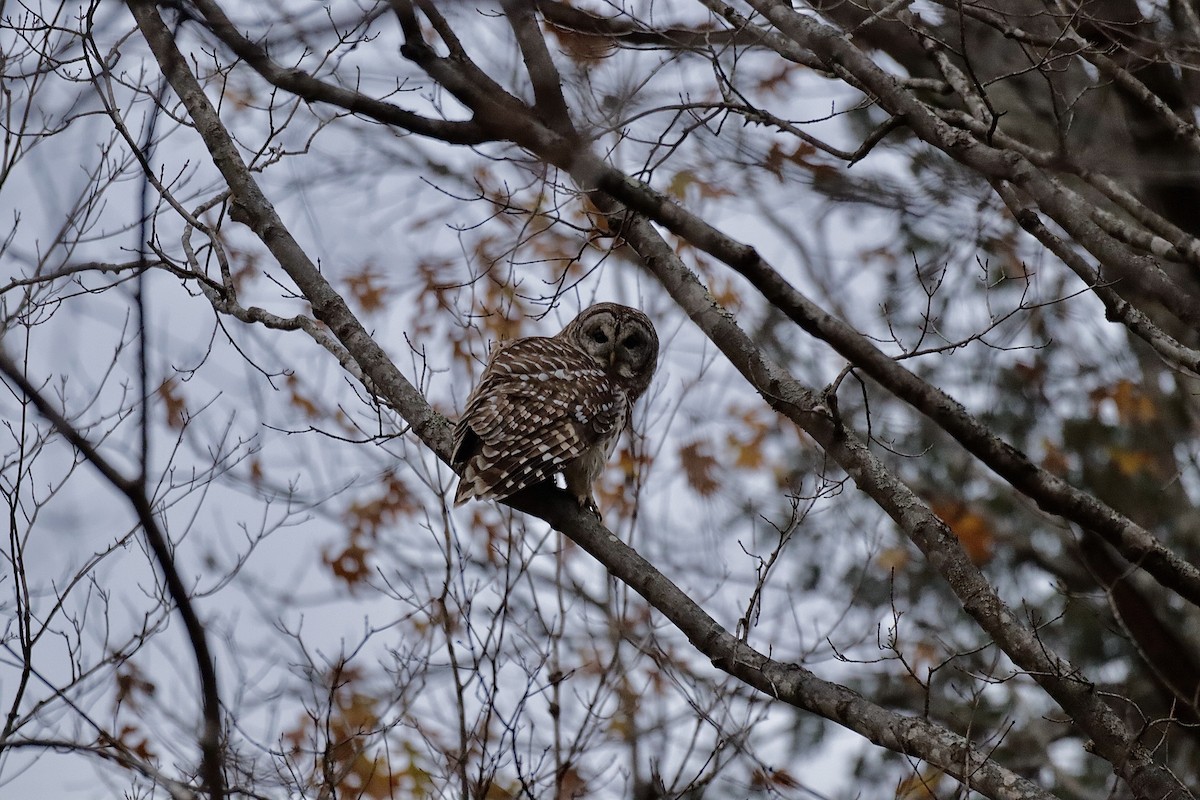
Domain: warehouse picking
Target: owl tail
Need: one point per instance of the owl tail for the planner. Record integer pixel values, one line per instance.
(470, 486)
(477, 482)
(483, 480)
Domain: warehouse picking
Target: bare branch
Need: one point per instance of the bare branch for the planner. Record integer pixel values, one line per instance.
(304, 85)
(211, 763)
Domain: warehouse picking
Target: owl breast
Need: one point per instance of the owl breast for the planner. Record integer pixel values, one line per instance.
(581, 473)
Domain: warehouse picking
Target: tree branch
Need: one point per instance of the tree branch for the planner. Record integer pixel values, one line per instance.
(841, 56)
(304, 85)
(550, 104)
(133, 490)
(253, 209)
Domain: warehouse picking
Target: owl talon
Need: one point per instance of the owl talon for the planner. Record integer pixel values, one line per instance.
(588, 503)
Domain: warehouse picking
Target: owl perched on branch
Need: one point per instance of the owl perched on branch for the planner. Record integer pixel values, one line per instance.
(546, 405)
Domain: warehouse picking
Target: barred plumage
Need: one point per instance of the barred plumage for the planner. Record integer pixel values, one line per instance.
(553, 405)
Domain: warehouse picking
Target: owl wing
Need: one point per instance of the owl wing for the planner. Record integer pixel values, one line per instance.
(538, 406)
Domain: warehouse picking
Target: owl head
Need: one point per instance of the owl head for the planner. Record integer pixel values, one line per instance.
(620, 340)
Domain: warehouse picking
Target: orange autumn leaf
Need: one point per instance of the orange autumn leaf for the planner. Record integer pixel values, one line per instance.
(1133, 405)
(677, 188)
(350, 565)
(1055, 460)
(921, 785)
(366, 288)
(173, 402)
(583, 47)
(298, 400)
(747, 444)
(922, 654)
(778, 79)
(973, 530)
(893, 558)
(725, 294)
(1131, 462)
(570, 784)
(256, 471)
(133, 685)
(136, 742)
(699, 467)
(771, 780)
(497, 792)
(686, 180)
(366, 516)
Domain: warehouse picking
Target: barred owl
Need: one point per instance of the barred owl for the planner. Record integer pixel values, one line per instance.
(549, 405)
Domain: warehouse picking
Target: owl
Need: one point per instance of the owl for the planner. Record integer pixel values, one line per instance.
(549, 405)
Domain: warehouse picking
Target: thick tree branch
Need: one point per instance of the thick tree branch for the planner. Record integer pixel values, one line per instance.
(1070, 40)
(549, 102)
(627, 32)
(1157, 234)
(1167, 657)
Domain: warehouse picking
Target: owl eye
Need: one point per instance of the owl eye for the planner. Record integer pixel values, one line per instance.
(599, 336)
(634, 341)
